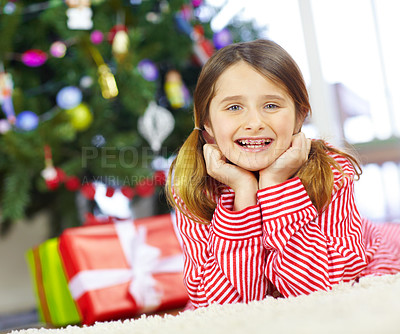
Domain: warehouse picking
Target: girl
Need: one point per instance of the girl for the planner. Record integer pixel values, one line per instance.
(261, 209)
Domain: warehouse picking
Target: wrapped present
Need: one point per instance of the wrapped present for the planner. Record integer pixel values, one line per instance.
(123, 269)
(55, 304)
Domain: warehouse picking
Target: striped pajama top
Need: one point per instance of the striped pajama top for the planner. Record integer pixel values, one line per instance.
(282, 246)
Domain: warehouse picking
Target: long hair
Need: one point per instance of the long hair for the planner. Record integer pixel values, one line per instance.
(188, 179)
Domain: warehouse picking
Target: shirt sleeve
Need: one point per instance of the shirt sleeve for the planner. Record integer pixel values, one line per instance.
(224, 260)
(307, 251)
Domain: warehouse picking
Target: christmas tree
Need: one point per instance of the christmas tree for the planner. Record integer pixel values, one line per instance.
(96, 90)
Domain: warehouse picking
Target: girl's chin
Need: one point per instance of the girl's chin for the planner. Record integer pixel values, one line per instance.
(251, 167)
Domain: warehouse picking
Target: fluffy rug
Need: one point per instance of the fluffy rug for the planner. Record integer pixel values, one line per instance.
(370, 306)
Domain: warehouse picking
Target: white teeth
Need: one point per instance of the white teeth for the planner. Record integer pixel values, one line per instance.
(252, 143)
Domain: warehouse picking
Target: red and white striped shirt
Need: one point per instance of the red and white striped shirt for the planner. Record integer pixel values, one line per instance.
(283, 244)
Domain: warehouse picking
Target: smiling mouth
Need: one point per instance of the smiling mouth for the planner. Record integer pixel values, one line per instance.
(254, 143)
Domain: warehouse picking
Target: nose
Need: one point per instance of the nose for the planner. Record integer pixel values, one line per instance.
(254, 120)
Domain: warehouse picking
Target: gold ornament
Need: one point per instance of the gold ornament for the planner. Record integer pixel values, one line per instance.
(174, 89)
(107, 82)
(80, 117)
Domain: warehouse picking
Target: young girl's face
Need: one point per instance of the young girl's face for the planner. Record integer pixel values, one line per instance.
(251, 119)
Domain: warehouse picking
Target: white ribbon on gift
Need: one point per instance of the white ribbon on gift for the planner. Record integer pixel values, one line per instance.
(144, 261)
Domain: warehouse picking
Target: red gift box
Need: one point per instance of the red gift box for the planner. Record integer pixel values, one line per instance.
(117, 271)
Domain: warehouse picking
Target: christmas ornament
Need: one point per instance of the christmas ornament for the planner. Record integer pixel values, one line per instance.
(49, 173)
(54, 182)
(86, 81)
(9, 8)
(79, 15)
(129, 192)
(203, 48)
(58, 49)
(159, 178)
(8, 109)
(186, 12)
(80, 117)
(154, 16)
(164, 6)
(72, 183)
(69, 97)
(88, 190)
(52, 176)
(145, 188)
(222, 38)
(183, 18)
(148, 70)
(34, 58)
(27, 120)
(107, 81)
(183, 24)
(196, 3)
(98, 141)
(6, 88)
(5, 126)
(174, 89)
(114, 30)
(120, 45)
(96, 37)
(155, 125)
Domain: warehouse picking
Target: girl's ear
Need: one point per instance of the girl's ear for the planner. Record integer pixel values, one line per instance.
(298, 124)
(208, 134)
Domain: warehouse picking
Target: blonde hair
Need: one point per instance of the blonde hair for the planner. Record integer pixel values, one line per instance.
(188, 176)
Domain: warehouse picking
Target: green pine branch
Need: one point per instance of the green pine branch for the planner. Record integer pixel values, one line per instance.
(15, 194)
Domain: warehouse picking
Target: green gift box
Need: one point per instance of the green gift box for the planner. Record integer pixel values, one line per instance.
(55, 304)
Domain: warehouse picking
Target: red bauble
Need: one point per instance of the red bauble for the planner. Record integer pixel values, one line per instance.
(54, 183)
(159, 178)
(72, 183)
(128, 191)
(88, 190)
(145, 188)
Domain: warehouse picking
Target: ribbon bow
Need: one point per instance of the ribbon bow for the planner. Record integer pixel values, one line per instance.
(143, 259)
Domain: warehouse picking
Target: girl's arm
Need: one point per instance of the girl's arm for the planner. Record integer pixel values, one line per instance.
(224, 260)
(307, 251)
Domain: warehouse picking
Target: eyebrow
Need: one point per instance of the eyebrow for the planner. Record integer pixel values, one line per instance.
(238, 97)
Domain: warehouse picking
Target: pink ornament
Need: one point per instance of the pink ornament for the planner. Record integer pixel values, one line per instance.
(96, 37)
(58, 49)
(34, 58)
(196, 3)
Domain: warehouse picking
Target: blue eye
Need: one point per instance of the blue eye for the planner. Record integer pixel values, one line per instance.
(270, 106)
(235, 107)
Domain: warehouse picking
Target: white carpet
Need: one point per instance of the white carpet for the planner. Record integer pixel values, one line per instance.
(371, 306)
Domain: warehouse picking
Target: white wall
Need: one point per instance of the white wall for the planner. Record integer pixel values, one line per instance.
(16, 292)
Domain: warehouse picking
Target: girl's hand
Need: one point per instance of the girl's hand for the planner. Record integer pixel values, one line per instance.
(288, 163)
(243, 182)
